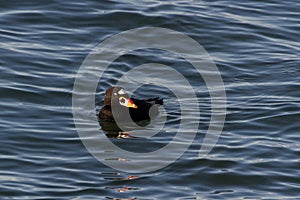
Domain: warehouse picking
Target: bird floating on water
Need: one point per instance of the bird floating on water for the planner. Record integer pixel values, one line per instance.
(119, 100)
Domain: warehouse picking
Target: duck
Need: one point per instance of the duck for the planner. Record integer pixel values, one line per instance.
(121, 102)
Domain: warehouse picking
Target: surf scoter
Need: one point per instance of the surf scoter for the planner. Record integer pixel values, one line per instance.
(139, 110)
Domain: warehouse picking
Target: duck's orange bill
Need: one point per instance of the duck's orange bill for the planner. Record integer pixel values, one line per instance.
(130, 104)
(127, 102)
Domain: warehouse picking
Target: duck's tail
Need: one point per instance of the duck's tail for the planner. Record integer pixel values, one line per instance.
(156, 100)
(159, 101)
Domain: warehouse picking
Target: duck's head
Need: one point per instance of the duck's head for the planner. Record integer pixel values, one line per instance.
(116, 96)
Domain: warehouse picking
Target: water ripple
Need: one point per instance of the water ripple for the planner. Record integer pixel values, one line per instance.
(255, 46)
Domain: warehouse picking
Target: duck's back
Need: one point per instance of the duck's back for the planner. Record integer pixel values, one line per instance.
(143, 108)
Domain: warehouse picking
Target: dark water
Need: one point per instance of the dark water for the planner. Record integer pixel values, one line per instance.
(256, 47)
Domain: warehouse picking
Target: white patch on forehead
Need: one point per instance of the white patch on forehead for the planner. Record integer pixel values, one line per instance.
(121, 91)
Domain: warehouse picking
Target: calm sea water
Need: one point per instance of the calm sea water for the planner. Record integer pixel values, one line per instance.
(256, 47)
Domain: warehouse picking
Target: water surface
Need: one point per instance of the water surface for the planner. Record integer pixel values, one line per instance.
(256, 48)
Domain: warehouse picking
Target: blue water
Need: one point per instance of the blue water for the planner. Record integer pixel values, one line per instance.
(256, 48)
